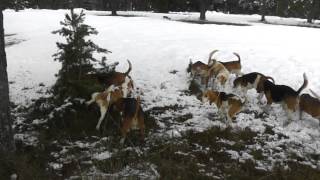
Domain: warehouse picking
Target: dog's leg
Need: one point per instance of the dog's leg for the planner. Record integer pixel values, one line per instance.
(89, 102)
(220, 113)
(290, 112)
(125, 129)
(300, 114)
(260, 96)
(103, 111)
(244, 93)
(229, 119)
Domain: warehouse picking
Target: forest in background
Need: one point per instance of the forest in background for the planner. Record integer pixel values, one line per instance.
(309, 9)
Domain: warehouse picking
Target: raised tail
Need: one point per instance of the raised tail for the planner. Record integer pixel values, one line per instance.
(268, 77)
(304, 85)
(315, 94)
(238, 56)
(189, 66)
(211, 54)
(130, 67)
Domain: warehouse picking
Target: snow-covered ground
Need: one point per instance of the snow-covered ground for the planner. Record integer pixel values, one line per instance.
(157, 46)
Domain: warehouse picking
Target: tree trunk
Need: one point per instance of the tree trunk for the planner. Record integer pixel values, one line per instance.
(114, 7)
(282, 8)
(313, 7)
(263, 10)
(203, 9)
(6, 134)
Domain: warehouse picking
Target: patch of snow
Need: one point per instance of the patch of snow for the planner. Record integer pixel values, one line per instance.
(102, 156)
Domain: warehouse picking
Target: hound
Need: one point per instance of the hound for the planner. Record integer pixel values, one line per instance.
(233, 67)
(114, 78)
(218, 71)
(199, 69)
(104, 100)
(288, 97)
(250, 81)
(132, 116)
(228, 104)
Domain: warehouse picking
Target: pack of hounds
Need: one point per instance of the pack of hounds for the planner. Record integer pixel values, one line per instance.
(119, 93)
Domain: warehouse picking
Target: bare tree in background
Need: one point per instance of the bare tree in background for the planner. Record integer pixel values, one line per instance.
(6, 134)
(312, 9)
(203, 5)
(114, 5)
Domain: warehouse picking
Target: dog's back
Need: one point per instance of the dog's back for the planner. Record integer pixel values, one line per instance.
(233, 66)
(279, 92)
(225, 97)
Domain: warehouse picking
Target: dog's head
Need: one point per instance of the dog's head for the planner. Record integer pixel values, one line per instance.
(261, 84)
(237, 82)
(210, 96)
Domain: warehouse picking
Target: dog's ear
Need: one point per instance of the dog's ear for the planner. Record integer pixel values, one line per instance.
(260, 86)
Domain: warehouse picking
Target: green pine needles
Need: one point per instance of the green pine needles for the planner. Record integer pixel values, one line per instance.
(76, 54)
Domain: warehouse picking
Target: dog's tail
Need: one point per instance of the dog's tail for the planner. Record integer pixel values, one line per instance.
(304, 85)
(315, 94)
(189, 66)
(238, 56)
(271, 78)
(130, 67)
(211, 54)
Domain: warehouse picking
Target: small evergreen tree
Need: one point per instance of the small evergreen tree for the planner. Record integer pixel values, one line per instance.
(76, 55)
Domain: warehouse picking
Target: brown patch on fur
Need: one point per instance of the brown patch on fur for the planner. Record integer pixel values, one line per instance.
(234, 105)
(232, 66)
(113, 78)
(216, 68)
(309, 105)
(199, 68)
(219, 71)
(202, 70)
(131, 121)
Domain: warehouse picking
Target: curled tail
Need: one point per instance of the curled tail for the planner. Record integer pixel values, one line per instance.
(304, 85)
(130, 67)
(211, 54)
(238, 56)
